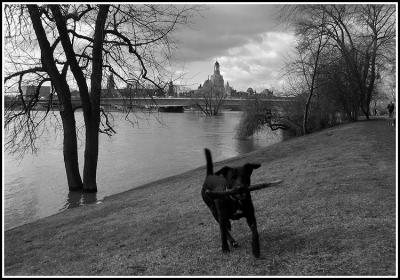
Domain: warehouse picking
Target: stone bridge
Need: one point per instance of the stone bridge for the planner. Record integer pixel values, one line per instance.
(228, 103)
(171, 103)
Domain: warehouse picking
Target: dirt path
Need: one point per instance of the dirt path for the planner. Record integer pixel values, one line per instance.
(333, 215)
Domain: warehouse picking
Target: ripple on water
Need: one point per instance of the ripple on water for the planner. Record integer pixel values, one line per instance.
(36, 187)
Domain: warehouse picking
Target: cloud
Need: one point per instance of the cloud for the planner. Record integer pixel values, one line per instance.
(201, 46)
(257, 64)
(223, 26)
(245, 38)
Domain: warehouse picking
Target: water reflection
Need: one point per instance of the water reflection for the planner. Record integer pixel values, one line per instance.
(245, 145)
(76, 199)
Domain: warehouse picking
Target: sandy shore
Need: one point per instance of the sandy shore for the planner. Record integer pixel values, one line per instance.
(334, 214)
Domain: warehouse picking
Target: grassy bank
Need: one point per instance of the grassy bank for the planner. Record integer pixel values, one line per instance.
(335, 214)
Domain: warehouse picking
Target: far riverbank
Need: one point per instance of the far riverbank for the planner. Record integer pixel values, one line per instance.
(334, 214)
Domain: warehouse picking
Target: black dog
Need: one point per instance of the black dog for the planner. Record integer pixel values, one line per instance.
(231, 207)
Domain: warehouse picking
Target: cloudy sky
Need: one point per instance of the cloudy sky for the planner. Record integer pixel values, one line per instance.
(246, 39)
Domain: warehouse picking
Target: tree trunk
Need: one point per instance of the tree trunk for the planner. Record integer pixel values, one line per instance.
(92, 116)
(70, 147)
(70, 150)
(355, 113)
(367, 111)
(91, 156)
(306, 112)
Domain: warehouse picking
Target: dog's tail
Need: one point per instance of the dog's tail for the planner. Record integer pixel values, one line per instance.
(210, 167)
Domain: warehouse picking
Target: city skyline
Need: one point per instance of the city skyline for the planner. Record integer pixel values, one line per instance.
(246, 39)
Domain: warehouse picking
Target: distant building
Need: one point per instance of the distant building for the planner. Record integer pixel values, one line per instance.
(75, 94)
(250, 91)
(110, 93)
(267, 92)
(137, 91)
(215, 83)
(228, 90)
(29, 91)
(172, 90)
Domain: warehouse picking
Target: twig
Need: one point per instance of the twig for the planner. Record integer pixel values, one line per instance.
(242, 189)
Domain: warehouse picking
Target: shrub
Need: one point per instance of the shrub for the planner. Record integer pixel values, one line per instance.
(257, 115)
(289, 115)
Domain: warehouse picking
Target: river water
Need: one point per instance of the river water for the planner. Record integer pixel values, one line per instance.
(152, 148)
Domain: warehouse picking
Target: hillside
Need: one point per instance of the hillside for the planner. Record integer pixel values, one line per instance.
(334, 214)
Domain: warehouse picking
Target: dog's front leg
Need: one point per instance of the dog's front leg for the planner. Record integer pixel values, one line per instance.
(255, 243)
(251, 221)
(223, 226)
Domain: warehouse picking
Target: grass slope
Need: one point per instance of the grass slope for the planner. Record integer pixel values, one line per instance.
(333, 215)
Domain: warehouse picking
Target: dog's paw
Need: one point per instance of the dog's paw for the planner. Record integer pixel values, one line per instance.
(225, 250)
(256, 254)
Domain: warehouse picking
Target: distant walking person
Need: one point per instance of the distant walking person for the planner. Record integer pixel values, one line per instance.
(390, 108)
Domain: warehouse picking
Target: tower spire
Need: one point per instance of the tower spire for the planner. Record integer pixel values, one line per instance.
(216, 67)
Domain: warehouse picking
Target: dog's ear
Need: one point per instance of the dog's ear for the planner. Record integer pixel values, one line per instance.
(249, 167)
(255, 165)
(252, 165)
(223, 171)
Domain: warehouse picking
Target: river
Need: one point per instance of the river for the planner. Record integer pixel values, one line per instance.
(154, 147)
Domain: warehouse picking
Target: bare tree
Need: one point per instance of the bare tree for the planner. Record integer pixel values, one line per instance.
(385, 91)
(307, 64)
(259, 114)
(210, 99)
(81, 44)
(363, 34)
